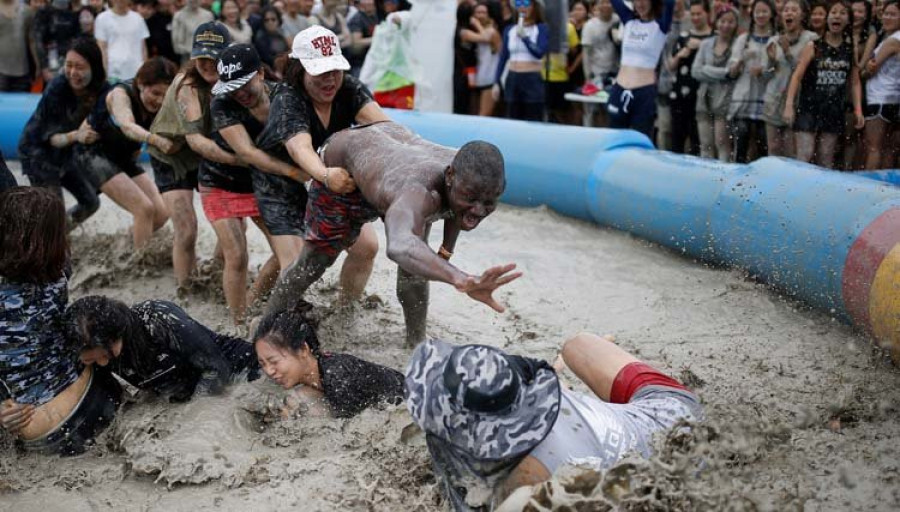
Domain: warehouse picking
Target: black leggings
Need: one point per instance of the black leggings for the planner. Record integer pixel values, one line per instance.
(741, 130)
(684, 126)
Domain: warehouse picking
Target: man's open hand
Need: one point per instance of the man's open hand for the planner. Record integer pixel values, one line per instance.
(15, 416)
(482, 288)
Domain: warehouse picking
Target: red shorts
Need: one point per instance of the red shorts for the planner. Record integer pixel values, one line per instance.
(638, 375)
(221, 204)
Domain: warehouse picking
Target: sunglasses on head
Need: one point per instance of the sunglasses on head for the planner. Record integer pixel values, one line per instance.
(523, 3)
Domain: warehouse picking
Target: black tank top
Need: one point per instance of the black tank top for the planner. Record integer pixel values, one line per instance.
(823, 90)
(115, 143)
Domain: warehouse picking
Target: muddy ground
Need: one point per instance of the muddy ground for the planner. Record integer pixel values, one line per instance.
(802, 411)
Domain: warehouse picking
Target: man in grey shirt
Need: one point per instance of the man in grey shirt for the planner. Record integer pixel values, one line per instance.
(495, 422)
(297, 17)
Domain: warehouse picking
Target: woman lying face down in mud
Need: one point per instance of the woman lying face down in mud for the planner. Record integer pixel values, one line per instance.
(321, 383)
(495, 422)
(155, 345)
(47, 399)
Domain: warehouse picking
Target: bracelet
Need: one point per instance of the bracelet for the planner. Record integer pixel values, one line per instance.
(444, 253)
(147, 138)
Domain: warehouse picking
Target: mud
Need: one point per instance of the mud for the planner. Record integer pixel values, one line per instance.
(801, 410)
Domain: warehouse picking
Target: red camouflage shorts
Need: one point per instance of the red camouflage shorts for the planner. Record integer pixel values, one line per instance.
(334, 221)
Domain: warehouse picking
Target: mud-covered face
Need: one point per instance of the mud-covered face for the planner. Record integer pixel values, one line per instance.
(100, 355)
(838, 18)
(473, 200)
(323, 88)
(285, 368)
(207, 69)
(791, 15)
(78, 71)
(152, 96)
(250, 94)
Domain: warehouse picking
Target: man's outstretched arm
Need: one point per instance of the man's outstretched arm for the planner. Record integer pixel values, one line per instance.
(405, 227)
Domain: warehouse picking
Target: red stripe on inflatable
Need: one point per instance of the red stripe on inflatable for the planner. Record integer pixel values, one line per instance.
(863, 260)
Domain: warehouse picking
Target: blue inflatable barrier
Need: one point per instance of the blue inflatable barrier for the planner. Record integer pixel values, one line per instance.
(15, 110)
(831, 239)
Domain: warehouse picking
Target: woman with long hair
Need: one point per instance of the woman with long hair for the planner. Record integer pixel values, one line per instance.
(710, 69)
(58, 123)
(47, 400)
(853, 147)
(818, 16)
(524, 46)
(826, 71)
(747, 67)
(319, 100)
(321, 383)
(185, 119)
(155, 345)
(632, 100)
(122, 120)
(882, 72)
(783, 53)
(230, 16)
(488, 55)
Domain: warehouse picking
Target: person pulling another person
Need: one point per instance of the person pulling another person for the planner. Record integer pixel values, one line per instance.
(496, 422)
(410, 183)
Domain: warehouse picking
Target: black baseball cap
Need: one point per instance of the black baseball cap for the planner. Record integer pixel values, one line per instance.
(238, 65)
(209, 41)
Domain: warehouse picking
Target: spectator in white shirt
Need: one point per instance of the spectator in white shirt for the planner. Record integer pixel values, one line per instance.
(184, 23)
(121, 32)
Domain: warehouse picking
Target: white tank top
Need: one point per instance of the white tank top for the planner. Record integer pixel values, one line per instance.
(487, 65)
(518, 52)
(884, 87)
(642, 44)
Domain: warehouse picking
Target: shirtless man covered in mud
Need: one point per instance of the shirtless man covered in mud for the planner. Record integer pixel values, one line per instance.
(410, 183)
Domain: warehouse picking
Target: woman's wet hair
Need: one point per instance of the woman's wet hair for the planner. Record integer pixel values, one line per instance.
(87, 48)
(288, 330)
(97, 321)
(33, 243)
(158, 70)
(292, 72)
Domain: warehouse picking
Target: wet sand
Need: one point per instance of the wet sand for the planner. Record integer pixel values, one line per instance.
(802, 411)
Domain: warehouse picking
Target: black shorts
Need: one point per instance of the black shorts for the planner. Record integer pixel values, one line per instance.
(889, 113)
(167, 181)
(633, 108)
(100, 164)
(281, 201)
(556, 95)
(94, 413)
(820, 119)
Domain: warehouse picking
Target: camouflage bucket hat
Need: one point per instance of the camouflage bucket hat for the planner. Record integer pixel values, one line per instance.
(480, 400)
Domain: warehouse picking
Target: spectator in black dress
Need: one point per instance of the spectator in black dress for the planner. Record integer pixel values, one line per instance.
(321, 383)
(684, 89)
(55, 27)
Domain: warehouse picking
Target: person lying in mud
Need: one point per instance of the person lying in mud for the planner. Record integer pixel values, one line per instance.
(155, 345)
(47, 399)
(321, 383)
(496, 422)
(410, 183)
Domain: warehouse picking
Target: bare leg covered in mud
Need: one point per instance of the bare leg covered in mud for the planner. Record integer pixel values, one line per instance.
(413, 294)
(358, 265)
(148, 210)
(300, 275)
(180, 204)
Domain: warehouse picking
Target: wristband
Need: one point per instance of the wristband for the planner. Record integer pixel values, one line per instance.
(444, 253)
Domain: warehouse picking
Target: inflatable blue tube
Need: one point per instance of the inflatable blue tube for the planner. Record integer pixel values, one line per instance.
(545, 164)
(15, 110)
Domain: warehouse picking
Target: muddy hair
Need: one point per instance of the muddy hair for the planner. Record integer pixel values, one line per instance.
(97, 321)
(289, 330)
(481, 162)
(33, 243)
(158, 70)
(88, 49)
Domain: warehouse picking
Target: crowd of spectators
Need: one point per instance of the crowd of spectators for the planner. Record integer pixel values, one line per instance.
(733, 80)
